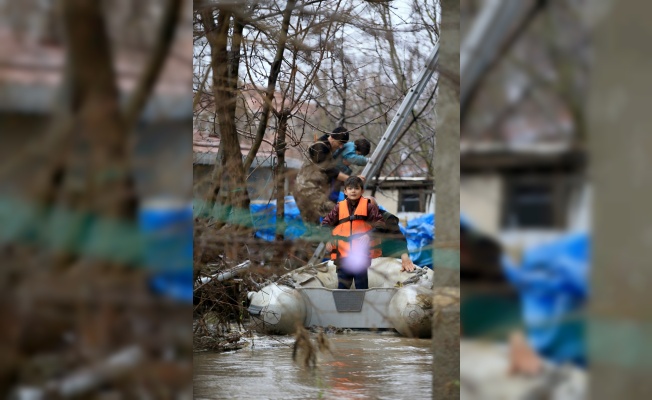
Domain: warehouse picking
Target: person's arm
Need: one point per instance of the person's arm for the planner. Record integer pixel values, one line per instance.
(331, 220)
(336, 174)
(523, 360)
(401, 248)
(374, 217)
(333, 173)
(355, 159)
(396, 244)
(332, 217)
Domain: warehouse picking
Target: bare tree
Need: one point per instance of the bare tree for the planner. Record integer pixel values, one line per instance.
(81, 198)
(225, 79)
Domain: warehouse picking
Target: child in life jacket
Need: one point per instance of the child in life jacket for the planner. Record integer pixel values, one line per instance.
(353, 220)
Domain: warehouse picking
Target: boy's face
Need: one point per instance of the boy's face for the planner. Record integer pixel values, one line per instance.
(353, 193)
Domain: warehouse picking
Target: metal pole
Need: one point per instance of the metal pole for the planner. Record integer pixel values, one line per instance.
(238, 269)
(493, 30)
(391, 133)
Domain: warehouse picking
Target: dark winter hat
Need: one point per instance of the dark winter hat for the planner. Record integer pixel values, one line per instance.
(341, 134)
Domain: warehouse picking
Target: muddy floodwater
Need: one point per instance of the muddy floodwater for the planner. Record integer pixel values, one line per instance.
(363, 365)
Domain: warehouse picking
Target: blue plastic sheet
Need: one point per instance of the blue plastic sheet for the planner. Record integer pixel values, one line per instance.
(553, 283)
(264, 218)
(420, 233)
(167, 227)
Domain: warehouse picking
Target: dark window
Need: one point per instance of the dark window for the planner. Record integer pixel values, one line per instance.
(410, 201)
(530, 205)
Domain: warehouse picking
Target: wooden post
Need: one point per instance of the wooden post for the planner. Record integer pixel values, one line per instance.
(446, 256)
(620, 338)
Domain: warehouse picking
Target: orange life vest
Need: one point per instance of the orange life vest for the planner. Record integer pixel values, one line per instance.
(352, 230)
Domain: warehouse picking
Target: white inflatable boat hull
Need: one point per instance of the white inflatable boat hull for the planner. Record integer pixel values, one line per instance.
(315, 301)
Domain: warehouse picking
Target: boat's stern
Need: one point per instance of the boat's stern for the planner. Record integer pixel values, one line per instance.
(343, 308)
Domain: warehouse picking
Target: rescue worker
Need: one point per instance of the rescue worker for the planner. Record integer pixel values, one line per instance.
(345, 153)
(390, 241)
(313, 183)
(353, 220)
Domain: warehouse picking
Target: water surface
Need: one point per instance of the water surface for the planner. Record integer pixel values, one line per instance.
(363, 365)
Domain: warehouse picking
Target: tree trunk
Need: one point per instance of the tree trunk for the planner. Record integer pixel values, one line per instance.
(98, 182)
(224, 90)
(446, 254)
(110, 192)
(279, 146)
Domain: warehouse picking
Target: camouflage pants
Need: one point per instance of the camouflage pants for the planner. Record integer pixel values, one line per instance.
(312, 204)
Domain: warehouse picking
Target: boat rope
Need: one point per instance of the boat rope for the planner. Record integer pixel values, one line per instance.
(418, 273)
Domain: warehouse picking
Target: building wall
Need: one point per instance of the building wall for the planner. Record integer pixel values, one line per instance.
(386, 198)
(481, 200)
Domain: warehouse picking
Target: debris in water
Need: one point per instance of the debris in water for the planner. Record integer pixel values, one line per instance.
(304, 348)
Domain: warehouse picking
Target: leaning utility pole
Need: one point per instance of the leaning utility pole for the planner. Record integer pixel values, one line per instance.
(388, 139)
(494, 30)
(446, 254)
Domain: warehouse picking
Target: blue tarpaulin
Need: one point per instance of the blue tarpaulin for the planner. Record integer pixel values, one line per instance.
(167, 227)
(553, 283)
(264, 218)
(420, 233)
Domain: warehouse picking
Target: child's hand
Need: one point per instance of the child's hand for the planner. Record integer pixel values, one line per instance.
(346, 162)
(523, 359)
(406, 263)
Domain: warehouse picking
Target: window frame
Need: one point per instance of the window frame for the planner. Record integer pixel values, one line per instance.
(559, 191)
(421, 196)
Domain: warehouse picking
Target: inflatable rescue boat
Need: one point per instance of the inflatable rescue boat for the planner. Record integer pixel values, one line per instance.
(309, 296)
